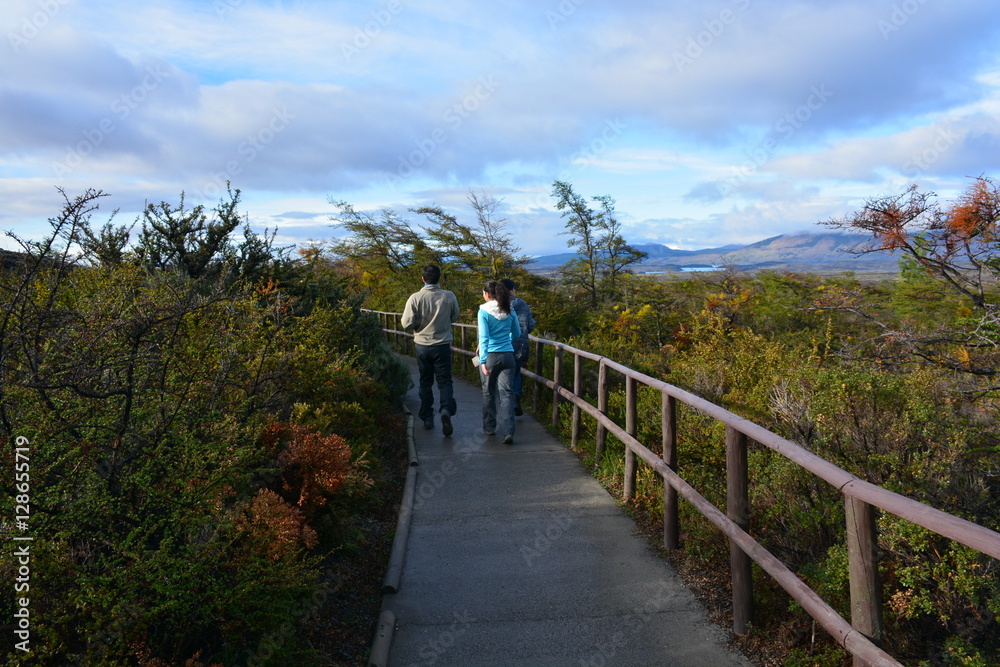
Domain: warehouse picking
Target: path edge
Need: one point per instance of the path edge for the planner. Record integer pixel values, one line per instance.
(379, 655)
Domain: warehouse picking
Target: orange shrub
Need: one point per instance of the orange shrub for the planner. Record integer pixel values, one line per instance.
(274, 523)
(312, 465)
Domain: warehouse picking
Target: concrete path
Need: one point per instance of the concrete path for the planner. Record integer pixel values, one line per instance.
(517, 556)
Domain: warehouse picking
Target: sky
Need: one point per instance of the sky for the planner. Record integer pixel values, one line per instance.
(709, 123)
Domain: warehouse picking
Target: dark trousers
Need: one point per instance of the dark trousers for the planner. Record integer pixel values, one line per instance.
(517, 380)
(434, 364)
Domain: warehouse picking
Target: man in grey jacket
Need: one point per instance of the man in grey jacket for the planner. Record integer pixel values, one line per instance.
(430, 314)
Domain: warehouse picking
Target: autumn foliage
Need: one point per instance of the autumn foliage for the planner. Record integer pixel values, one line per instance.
(277, 526)
(955, 243)
(313, 466)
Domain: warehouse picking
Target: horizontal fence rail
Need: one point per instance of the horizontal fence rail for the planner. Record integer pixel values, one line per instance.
(860, 636)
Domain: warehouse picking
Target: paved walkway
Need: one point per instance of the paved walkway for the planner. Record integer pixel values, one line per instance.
(517, 556)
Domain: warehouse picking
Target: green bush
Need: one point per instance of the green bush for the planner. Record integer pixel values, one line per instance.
(170, 524)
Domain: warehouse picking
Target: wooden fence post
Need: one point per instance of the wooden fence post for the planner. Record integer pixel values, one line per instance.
(602, 407)
(557, 378)
(866, 586)
(631, 417)
(738, 511)
(577, 390)
(671, 520)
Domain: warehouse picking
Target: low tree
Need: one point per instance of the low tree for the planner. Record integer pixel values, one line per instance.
(175, 237)
(956, 247)
(603, 254)
(958, 244)
(382, 244)
(195, 242)
(486, 248)
(198, 447)
(107, 246)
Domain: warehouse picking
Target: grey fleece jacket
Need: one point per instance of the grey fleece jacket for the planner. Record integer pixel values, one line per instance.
(430, 314)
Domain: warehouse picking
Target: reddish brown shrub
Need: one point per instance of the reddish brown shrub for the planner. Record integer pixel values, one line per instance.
(312, 465)
(272, 522)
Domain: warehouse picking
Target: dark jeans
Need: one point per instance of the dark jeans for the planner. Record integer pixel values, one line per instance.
(518, 363)
(434, 363)
(498, 393)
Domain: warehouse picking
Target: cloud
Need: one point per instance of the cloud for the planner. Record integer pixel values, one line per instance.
(706, 193)
(959, 147)
(680, 112)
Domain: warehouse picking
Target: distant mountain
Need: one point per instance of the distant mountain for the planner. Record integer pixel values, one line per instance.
(657, 251)
(792, 252)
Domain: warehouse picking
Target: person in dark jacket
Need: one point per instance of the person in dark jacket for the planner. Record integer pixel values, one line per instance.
(522, 346)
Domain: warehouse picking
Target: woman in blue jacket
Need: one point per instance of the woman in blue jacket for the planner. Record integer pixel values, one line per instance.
(498, 330)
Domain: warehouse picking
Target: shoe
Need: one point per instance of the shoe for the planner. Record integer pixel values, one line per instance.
(428, 424)
(508, 440)
(518, 412)
(446, 424)
(489, 432)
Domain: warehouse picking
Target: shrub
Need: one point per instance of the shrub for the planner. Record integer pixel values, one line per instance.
(168, 528)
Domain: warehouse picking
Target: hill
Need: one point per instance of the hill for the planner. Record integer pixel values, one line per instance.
(811, 253)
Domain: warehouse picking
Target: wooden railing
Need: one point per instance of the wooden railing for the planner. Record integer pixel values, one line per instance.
(861, 635)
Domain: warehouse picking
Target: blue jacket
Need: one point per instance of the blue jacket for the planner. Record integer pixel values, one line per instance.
(497, 330)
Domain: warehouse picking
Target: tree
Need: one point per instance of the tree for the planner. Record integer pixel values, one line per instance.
(958, 248)
(596, 236)
(619, 255)
(958, 245)
(175, 237)
(155, 403)
(28, 310)
(380, 255)
(485, 249)
(191, 241)
(379, 244)
(583, 228)
(108, 246)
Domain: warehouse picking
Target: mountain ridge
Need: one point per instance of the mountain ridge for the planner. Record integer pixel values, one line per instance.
(798, 252)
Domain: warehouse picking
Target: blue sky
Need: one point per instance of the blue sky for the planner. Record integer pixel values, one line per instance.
(709, 123)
